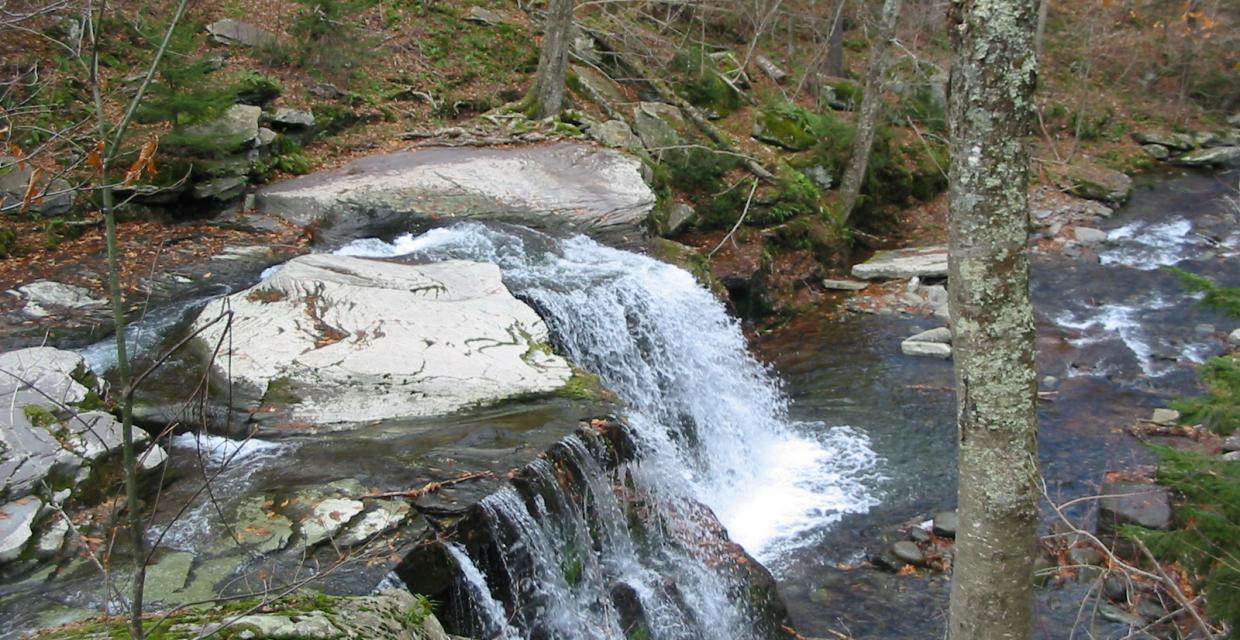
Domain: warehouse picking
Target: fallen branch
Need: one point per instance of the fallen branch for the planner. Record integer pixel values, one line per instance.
(430, 487)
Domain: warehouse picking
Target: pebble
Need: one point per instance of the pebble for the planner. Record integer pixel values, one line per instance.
(945, 523)
(908, 552)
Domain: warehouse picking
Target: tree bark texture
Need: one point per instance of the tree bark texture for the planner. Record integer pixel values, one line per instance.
(992, 84)
(835, 42)
(547, 96)
(871, 108)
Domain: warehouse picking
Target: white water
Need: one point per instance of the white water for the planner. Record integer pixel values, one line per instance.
(1150, 245)
(490, 610)
(711, 418)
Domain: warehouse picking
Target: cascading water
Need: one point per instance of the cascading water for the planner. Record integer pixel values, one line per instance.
(710, 423)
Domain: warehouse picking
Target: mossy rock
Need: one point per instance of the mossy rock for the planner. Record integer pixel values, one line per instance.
(777, 128)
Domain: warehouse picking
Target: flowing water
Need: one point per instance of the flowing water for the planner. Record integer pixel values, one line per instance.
(804, 463)
(711, 421)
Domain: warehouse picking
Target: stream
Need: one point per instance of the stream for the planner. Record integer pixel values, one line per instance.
(808, 453)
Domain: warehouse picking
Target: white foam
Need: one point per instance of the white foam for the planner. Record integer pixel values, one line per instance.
(220, 450)
(1149, 246)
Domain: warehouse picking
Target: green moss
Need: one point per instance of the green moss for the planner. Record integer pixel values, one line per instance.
(252, 87)
(280, 392)
(583, 385)
(8, 242)
(698, 79)
(39, 416)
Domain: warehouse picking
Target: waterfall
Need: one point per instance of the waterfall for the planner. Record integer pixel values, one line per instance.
(712, 427)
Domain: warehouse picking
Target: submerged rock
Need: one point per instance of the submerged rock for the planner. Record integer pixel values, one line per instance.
(924, 262)
(326, 336)
(1146, 505)
(566, 186)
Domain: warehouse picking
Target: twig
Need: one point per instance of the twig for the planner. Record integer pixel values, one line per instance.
(739, 220)
(430, 487)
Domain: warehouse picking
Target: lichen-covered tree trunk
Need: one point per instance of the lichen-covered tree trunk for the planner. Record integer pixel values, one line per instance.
(871, 107)
(546, 98)
(992, 83)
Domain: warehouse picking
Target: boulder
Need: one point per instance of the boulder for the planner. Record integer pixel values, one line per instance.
(480, 15)
(614, 133)
(945, 523)
(53, 198)
(1231, 443)
(1156, 151)
(44, 298)
(781, 131)
(1089, 235)
(679, 218)
(235, 32)
(657, 125)
(288, 118)
(1146, 505)
(1094, 182)
(1233, 338)
(598, 85)
(236, 128)
(326, 335)
(1217, 156)
(923, 262)
(1174, 141)
(564, 186)
(16, 520)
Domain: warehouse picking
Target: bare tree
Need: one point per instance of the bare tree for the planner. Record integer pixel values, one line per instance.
(992, 83)
(546, 98)
(871, 108)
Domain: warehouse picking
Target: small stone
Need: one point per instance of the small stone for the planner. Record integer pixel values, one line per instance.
(908, 552)
(1085, 556)
(1156, 151)
(1165, 417)
(266, 136)
(938, 334)
(1233, 338)
(326, 90)
(152, 458)
(1231, 456)
(848, 285)
(1089, 235)
(919, 535)
(926, 349)
(1049, 383)
(53, 538)
(945, 523)
(1231, 443)
(1116, 588)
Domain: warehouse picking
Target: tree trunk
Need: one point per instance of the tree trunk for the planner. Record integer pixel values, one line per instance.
(835, 43)
(546, 98)
(992, 84)
(871, 108)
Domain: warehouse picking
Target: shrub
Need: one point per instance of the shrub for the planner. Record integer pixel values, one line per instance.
(701, 84)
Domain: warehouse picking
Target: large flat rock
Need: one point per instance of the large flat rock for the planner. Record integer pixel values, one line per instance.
(335, 340)
(924, 262)
(571, 186)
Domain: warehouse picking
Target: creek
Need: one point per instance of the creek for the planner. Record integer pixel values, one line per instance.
(806, 453)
